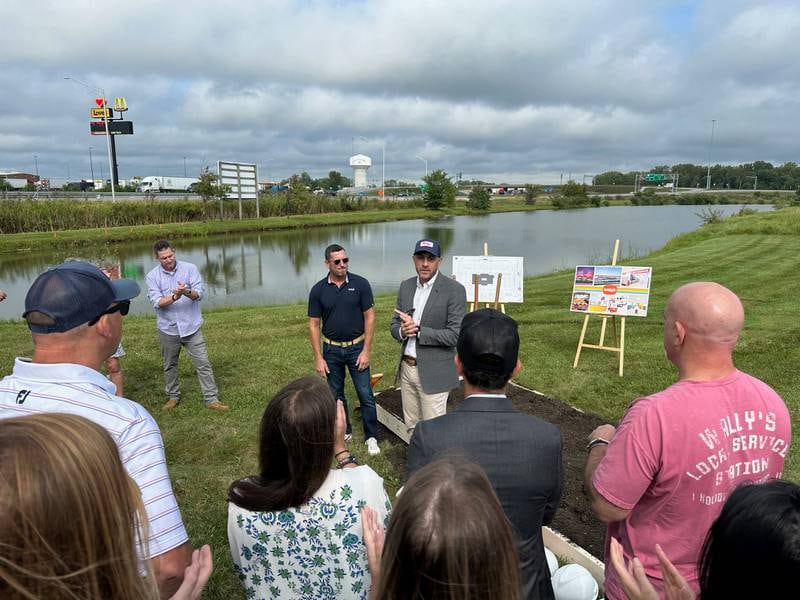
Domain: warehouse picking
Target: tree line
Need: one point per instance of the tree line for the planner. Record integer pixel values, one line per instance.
(756, 175)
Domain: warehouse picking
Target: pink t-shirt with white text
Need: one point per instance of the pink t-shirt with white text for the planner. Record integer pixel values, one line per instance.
(675, 458)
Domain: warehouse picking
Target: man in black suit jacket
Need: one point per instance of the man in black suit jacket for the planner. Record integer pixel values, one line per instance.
(521, 454)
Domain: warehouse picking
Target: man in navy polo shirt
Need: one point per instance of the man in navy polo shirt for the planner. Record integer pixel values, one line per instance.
(342, 303)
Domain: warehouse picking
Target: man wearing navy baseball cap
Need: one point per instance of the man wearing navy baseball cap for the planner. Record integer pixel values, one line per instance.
(75, 315)
(521, 454)
(426, 322)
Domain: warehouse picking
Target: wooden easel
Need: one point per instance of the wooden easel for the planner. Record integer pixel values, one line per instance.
(601, 346)
(476, 284)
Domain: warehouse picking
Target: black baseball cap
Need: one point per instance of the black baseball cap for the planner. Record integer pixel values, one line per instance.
(71, 294)
(429, 246)
(488, 341)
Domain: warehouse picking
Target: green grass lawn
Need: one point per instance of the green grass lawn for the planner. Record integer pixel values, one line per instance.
(256, 350)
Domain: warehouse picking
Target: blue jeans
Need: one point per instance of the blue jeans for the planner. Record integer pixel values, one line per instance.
(337, 358)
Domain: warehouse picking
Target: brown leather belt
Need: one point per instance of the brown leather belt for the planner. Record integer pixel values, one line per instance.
(409, 360)
(344, 344)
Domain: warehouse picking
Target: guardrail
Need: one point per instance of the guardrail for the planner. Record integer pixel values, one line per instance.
(98, 196)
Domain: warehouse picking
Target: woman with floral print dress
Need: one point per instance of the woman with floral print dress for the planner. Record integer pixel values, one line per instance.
(295, 528)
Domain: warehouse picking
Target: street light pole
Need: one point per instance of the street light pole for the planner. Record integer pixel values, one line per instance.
(105, 122)
(91, 165)
(426, 164)
(710, 145)
(184, 166)
(36, 165)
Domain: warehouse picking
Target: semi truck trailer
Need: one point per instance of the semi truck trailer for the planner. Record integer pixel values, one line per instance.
(156, 183)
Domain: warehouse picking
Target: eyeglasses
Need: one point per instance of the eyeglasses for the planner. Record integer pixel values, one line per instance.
(339, 261)
(121, 307)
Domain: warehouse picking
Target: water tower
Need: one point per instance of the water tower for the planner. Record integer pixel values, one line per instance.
(360, 163)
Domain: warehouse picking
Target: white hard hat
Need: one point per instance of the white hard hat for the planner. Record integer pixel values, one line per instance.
(552, 561)
(574, 582)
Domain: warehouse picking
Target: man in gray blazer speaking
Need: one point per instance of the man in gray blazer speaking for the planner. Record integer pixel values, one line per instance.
(426, 322)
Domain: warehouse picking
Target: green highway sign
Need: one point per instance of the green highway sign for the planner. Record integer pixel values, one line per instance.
(655, 177)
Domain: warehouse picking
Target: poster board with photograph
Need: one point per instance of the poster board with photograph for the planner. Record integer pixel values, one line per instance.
(611, 290)
(487, 268)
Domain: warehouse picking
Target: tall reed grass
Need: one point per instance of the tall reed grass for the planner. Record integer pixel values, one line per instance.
(25, 216)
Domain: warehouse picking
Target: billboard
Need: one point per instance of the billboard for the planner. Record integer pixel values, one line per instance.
(114, 127)
(241, 178)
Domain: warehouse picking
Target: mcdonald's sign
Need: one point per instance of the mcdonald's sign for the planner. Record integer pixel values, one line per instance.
(120, 104)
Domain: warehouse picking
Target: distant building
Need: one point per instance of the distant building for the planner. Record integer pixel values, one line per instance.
(17, 179)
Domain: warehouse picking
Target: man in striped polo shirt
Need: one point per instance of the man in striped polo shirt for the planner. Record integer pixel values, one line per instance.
(75, 315)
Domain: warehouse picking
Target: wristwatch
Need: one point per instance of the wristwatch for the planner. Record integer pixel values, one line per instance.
(596, 442)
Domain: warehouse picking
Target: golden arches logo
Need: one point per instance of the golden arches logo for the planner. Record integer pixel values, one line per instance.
(120, 104)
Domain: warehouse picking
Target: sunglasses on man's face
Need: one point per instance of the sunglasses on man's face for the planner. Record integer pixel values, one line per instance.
(339, 261)
(121, 307)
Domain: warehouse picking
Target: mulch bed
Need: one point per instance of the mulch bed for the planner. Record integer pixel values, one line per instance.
(574, 518)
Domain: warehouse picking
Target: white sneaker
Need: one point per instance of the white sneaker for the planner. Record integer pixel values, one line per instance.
(372, 446)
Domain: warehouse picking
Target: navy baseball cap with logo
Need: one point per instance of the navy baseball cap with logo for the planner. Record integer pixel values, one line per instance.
(429, 246)
(488, 341)
(71, 294)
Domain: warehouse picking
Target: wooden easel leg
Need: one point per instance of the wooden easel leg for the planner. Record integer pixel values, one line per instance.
(580, 342)
(621, 344)
(497, 290)
(603, 330)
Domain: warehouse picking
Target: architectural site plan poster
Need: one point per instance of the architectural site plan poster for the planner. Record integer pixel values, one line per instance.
(611, 290)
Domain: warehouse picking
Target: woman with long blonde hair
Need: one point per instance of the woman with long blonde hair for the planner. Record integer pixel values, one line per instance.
(71, 518)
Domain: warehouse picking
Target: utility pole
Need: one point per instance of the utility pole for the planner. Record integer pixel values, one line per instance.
(91, 165)
(184, 166)
(710, 146)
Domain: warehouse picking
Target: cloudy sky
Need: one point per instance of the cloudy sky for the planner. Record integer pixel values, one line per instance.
(514, 90)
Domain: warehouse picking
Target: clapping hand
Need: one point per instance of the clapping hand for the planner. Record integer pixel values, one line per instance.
(181, 290)
(374, 536)
(196, 575)
(637, 586)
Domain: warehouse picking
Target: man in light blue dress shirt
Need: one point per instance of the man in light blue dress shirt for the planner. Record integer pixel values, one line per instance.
(175, 289)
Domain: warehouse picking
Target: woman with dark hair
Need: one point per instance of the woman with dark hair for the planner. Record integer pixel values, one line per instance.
(449, 539)
(294, 529)
(751, 551)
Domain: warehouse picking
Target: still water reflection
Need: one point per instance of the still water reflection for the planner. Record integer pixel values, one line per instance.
(278, 267)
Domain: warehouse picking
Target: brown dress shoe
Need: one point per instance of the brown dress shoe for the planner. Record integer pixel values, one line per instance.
(217, 406)
(170, 404)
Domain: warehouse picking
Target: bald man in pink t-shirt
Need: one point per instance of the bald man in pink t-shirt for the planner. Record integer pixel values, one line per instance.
(663, 475)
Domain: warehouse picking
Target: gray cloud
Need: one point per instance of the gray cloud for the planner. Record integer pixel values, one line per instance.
(506, 90)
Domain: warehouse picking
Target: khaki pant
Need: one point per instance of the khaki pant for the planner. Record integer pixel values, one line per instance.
(417, 405)
(196, 347)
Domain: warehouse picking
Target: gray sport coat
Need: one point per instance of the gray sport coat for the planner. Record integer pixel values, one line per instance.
(438, 331)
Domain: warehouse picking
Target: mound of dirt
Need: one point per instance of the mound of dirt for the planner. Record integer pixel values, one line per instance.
(574, 518)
